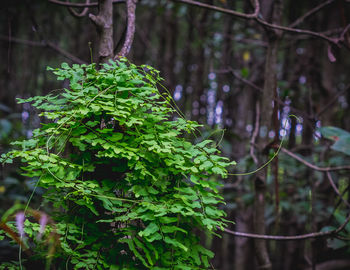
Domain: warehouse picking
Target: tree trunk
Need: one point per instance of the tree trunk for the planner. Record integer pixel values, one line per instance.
(104, 24)
(267, 119)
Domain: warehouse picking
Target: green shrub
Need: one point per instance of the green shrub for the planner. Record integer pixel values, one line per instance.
(127, 188)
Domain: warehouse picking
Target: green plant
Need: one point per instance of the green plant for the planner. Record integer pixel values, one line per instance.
(128, 189)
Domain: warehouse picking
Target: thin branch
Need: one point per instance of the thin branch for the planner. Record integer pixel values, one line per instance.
(82, 13)
(310, 13)
(312, 166)
(255, 17)
(130, 31)
(47, 44)
(251, 84)
(333, 41)
(346, 29)
(224, 10)
(22, 41)
(293, 237)
(342, 36)
(330, 179)
(81, 5)
(64, 53)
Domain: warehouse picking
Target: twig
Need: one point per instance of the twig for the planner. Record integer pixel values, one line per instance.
(330, 179)
(130, 31)
(310, 12)
(81, 5)
(47, 44)
(312, 166)
(293, 237)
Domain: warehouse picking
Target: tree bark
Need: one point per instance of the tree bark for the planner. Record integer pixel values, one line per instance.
(130, 30)
(268, 112)
(104, 24)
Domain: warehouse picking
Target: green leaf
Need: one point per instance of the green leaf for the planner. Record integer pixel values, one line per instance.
(175, 243)
(150, 229)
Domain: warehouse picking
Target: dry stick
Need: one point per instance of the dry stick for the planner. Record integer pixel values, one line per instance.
(130, 31)
(292, 237)
(81, 5)
(310, 13)
(312, 166)
(47, 44)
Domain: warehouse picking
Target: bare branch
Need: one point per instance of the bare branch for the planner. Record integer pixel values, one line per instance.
(224, 10)
(47, 44)
(342, 36)
(333, 41)
(130, 31)
(251, 84)
(81, 14)
(293, 237)
(64, 53)
(81, 5)
(310, 13)
(255, 17)
(22, 41)
(312, 166)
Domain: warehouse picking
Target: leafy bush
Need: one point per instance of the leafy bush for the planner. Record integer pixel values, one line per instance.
(128, 190)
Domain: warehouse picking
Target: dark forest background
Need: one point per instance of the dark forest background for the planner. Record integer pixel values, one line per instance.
(239, 76)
